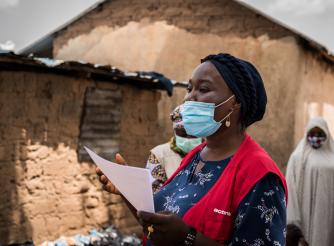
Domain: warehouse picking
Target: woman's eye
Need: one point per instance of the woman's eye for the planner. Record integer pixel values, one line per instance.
(204, 89)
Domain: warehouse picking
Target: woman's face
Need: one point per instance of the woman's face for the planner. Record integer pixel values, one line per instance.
(316, 137)
(207, 85)
(181, 132)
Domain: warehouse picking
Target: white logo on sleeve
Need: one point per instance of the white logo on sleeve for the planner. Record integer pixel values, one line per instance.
(223, 212)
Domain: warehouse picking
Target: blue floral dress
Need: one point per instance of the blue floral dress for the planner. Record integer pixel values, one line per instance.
(261, 216)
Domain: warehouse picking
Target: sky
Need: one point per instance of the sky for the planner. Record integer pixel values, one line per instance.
(314, 18)
(23, 22)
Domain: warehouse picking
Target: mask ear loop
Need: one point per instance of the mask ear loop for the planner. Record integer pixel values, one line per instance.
(228, 99)
(228, 121)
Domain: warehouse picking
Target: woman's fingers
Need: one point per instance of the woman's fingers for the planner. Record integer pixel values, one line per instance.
(107, 185)
(120, 159)
(152, 218)
(103, 179)
(98, 171)
(111, 188)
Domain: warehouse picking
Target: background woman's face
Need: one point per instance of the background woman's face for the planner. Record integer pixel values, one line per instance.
(181, 132)
(316, 137)
(316, 132)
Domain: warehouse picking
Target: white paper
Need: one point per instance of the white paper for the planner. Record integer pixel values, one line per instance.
(133, 182)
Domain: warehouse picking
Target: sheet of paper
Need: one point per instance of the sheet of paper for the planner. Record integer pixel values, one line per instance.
(133, 182)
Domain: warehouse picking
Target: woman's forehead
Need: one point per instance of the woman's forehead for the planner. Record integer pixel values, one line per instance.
(316, 130)
(206, 71)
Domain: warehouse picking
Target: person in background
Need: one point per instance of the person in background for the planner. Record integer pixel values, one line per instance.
(310, 179)
(164, 159)
(294, 236)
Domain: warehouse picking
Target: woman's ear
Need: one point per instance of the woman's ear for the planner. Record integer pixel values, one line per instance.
(236, 106)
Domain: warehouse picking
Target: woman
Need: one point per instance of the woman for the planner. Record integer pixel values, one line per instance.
(165, 158)
(227, 190)
(310, 178)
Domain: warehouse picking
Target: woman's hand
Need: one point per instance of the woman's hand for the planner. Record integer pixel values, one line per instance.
(107, 184)
(169, 229)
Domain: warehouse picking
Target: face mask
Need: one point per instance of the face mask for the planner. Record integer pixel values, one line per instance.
(198, 118)
(187, 144)
(316, 142)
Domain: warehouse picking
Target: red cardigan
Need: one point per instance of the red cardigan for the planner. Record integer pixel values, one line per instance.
(214, 214)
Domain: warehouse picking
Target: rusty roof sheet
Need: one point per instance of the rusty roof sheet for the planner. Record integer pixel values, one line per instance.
(148, 80)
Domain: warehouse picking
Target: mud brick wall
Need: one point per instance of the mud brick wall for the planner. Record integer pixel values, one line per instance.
(45, 191)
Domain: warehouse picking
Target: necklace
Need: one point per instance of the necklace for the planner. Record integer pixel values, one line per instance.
(199, 163)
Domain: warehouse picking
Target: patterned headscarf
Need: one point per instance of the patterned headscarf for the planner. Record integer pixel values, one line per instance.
(176, 118)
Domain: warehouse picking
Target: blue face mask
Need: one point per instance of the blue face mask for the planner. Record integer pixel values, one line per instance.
(187, 144)
(198, 118)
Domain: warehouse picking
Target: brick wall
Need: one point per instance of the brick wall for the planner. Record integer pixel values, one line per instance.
(45, 191)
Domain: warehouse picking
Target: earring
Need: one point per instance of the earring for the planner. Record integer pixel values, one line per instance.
(228, 122)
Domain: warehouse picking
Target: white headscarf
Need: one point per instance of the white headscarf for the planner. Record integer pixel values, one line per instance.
(310, 179)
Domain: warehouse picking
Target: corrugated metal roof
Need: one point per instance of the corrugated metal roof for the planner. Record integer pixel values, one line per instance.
(148, 80)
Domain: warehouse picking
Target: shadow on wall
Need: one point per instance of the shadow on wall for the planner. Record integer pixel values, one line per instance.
(14, 222)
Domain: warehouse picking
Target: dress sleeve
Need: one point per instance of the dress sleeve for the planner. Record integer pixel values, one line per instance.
(158, 172)
(261, 216)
